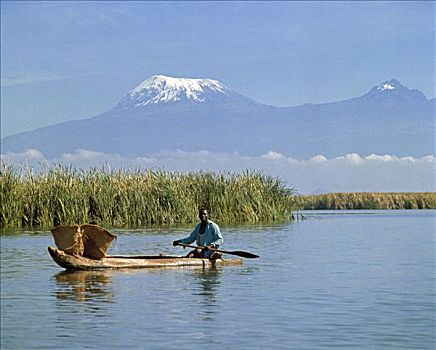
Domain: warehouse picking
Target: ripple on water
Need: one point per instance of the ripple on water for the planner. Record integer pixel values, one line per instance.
(355, 282)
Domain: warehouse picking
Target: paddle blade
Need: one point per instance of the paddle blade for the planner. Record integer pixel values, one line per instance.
(245, 254)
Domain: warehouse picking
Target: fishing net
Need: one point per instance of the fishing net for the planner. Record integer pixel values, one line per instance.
(90, 241)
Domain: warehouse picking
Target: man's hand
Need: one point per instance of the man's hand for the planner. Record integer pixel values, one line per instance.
(177, 242)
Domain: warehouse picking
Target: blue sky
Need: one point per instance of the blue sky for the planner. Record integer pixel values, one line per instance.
(71, 60)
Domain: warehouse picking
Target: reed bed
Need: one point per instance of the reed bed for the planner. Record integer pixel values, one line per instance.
(367, 200)
(64, 195)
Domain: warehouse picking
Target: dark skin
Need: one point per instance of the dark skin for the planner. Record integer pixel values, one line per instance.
(203, 215)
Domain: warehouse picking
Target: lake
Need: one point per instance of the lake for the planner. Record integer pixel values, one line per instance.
(351, 279)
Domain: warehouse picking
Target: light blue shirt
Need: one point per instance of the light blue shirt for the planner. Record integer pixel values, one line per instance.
(211, 236)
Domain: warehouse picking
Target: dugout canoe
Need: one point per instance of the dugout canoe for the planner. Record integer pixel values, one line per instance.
(72, 262)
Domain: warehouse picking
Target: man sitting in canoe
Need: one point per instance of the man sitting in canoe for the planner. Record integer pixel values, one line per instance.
(207, 234)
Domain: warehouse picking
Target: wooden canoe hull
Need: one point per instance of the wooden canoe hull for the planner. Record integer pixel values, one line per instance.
(71, 262)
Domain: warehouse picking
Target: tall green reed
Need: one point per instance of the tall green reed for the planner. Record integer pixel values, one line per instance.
(367, 200)
(135, 197)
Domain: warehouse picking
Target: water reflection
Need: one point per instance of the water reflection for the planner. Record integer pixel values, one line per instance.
(83, 286)
(310, 294)
(209, 282)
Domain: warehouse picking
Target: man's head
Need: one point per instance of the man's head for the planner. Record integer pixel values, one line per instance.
(203, 215)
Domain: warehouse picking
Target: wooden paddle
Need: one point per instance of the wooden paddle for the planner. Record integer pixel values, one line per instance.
(236, 252)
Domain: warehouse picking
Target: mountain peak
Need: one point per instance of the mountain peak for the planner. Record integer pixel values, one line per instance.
(388, 85)
(192, 88)
(393, 89)
(160, 89)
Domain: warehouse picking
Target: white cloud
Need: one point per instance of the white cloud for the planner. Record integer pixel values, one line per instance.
(29, 157)
(354, 158)
(273, 155)
(25, 78)
(318, 159)
(82, 154)
(347, 173)
(34, 154)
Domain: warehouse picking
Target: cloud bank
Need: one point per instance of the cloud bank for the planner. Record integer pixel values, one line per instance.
(348, 173)
(26, 78)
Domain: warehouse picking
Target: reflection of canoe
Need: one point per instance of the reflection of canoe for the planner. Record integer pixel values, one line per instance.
(71, 262)
(82, 286)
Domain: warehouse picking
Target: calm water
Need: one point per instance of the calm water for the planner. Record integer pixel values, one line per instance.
(356, 280)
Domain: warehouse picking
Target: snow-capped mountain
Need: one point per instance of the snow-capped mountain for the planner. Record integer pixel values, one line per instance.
(394, 89)
(160, 89)
(389, 86)
(164, 113)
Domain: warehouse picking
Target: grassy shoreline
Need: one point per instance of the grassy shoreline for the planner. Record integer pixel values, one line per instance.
(132, 198)
(366, 200)
(136, 198)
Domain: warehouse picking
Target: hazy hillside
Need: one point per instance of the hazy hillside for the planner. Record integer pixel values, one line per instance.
(203, 114)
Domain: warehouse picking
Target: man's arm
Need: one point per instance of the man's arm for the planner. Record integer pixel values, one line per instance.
(192, 237)
(218, 238)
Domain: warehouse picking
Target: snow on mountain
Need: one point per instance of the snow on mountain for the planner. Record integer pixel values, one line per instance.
(160, 89)
(389, 85)
(164, 113)
(394, 89)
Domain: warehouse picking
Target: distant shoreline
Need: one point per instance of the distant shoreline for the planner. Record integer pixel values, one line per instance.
(135, 198)
(366, 200)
